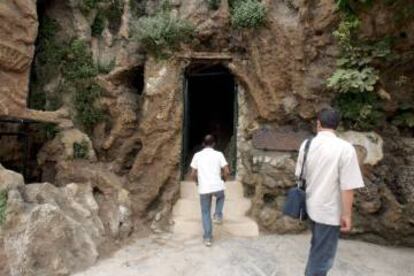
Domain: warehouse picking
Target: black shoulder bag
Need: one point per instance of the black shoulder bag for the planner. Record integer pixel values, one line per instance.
(295, 205)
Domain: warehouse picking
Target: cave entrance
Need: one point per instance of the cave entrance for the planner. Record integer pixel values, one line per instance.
(210, 107)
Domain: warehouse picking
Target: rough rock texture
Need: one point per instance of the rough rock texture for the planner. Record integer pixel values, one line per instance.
(49, 230)
(156, 169)
(10, 180)
(132, 163)
(45, 219)
(55, 231)
(385, 207)
(18, 32)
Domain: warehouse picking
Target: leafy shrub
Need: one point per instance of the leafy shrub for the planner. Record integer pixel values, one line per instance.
(86, 6)
(81, 150)
(162, 32)
(353, 80)
(98, 24)
(137, 7)
(84, 102)
(346, 31)
(78, 63)
(405, 116)
(49, 56)
(349, 6)
(105, 68)
(49, 130)
(3, 206)
(248, 14)
(213, 4)
(49, 51)
(113, 13)
(360, 111)
(73, 62)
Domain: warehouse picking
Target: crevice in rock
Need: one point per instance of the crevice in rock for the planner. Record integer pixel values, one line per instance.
(130, 156)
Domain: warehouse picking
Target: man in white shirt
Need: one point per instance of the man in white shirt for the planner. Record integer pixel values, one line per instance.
(331, 172)
(207, 167)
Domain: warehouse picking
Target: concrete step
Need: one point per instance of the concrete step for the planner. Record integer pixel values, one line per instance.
(234, 190)
(243, 227)
(190, 208)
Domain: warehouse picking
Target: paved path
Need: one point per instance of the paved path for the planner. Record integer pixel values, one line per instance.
(187, 213)
(261, 256)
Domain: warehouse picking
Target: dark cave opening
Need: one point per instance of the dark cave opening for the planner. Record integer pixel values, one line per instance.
(210, 108)
(134, 78)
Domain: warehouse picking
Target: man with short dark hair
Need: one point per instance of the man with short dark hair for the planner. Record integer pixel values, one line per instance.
(331, 173)
(207, 167)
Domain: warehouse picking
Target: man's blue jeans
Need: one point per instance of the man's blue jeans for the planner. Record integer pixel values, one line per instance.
(324, 243)
(205, 202)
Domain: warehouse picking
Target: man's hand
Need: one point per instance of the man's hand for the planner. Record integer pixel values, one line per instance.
(346, 217)
(346, 224)
(194, 176)
(226, 173)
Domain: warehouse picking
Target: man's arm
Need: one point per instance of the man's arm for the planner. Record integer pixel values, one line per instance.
(350, 178)
(194, 175)
(226, 172)
(346, 217)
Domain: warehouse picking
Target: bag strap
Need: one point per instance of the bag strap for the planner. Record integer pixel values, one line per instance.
(305, 156)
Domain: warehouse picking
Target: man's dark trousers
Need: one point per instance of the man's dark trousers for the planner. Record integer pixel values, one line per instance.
(324, 243)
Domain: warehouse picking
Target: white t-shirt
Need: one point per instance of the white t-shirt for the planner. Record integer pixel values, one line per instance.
(208, 163)
(331, 166)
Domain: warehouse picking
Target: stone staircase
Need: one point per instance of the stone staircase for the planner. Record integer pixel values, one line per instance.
(187, 214)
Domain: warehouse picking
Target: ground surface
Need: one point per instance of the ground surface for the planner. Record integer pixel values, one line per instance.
(262, 256)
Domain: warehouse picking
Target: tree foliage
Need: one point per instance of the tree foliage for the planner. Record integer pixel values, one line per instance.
(248, 14)
(356, 77)
(162, 32)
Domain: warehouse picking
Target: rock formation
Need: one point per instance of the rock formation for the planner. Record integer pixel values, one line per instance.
(111, 162)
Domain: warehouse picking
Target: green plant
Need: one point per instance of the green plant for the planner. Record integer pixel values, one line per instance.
(98, 24)
(48, 50)
(49, 130)
(3, 206)
(248, 14)
(86, 6)
(360, 111)
(113, 12)
(71, 64)
(346, 31)
(405, 116)
(213, 4)
(78, 62)
(81, 150)
(105, 68)
(137, 7)
(48, 59)
(353, 80)
(162, 32)
(84, 102)
(349, 6)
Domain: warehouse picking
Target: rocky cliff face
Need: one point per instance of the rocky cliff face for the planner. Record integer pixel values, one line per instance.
(113, 151)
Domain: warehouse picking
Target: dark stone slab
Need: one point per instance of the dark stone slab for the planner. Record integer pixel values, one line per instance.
(279, 140)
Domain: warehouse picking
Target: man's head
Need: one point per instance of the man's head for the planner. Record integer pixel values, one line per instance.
(209, 141)
(328, 118)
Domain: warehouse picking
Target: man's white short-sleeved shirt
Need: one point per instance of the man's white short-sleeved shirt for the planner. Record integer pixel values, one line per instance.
(208, 163)
(331, 166)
